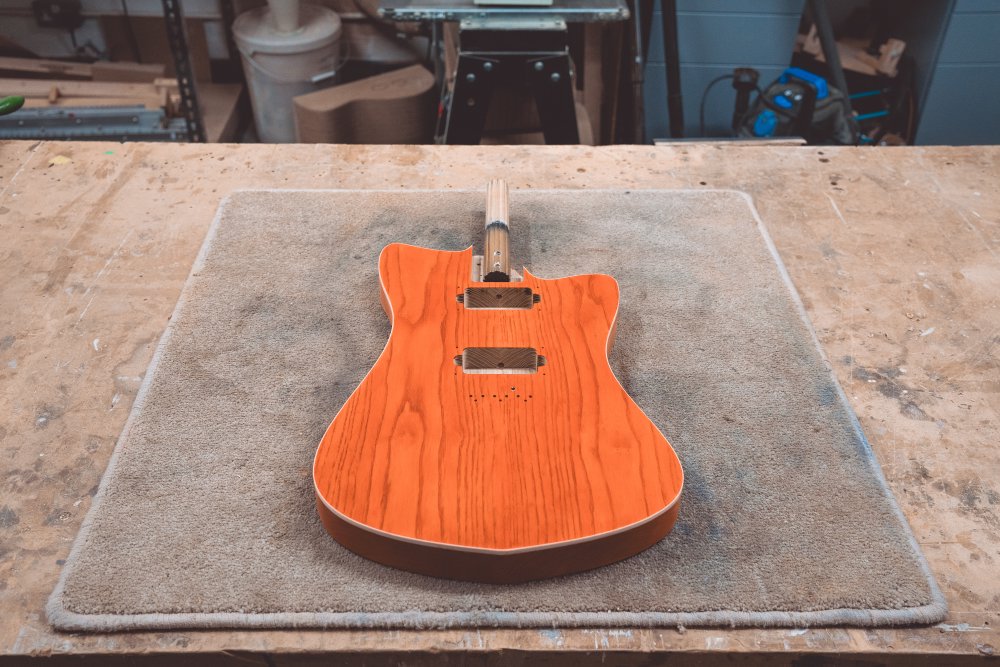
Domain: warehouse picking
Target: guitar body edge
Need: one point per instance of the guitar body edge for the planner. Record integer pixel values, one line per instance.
(497, 566)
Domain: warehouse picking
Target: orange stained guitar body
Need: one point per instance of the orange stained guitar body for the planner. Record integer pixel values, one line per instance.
(462, 455)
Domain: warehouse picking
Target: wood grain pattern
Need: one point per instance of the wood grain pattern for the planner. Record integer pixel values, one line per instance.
(463, 470)
(497, 202)
(496, 249)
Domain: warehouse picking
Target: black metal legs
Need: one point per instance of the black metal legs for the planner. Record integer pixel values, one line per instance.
(488, 59)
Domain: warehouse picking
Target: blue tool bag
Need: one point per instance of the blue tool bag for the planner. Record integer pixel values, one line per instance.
(799, 103)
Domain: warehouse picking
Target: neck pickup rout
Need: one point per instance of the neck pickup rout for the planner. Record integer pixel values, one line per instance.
(498, 298)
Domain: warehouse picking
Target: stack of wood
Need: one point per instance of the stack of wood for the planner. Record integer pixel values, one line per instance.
(854, 53)
(54, 83)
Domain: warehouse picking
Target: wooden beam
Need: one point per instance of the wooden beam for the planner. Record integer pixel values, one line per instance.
(43, 88)
(46, 68)
(98, 71)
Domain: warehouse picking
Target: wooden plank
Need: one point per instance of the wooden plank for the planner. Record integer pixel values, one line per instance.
(46, 68)
(148, 102)
(43, 88)
(122, 71)
(98, 71)
(593, 98)
(97, 245)
(220, 109)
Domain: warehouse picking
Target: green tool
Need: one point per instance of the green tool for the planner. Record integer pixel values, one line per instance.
(10, 104)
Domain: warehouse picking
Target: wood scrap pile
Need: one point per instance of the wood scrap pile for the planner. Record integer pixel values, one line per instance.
(54, 83)
(855, 53)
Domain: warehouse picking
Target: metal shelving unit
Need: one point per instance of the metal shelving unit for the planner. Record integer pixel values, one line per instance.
(173, 19)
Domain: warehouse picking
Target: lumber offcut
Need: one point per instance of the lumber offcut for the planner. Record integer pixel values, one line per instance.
(98, 71)
(42, 92)
(392, 108)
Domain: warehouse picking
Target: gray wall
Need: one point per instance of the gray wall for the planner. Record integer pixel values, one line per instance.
(962, 103)
(715, 36)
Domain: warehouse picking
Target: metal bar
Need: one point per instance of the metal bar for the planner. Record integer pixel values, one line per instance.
(470, 99)
(824, 29)
(173, 19)
(228, 18)
(638, 65)
(672, 56)
(436, 10)
(549, 80)
(94, 123)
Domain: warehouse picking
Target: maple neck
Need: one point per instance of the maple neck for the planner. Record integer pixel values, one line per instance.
(496, 250)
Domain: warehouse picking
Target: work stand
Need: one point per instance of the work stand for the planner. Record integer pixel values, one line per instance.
(507, 52)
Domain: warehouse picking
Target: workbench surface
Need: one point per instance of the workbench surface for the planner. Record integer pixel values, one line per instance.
(895, 252)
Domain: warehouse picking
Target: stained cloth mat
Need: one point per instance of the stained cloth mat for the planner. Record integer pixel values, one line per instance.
(206, 517)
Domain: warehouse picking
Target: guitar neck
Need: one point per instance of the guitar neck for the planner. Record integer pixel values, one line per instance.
(496, 250)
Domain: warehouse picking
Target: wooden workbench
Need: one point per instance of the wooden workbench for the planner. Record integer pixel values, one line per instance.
(895, 251)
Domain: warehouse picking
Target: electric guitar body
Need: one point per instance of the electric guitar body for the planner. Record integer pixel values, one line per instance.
(491, 441)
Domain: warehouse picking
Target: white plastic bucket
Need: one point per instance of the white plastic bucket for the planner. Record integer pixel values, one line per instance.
(280, 65)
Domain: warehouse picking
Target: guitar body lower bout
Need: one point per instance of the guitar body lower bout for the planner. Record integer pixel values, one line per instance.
(494, 444)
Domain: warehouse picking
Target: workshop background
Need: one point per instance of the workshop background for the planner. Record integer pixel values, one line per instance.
(401, 71)
(193, 211)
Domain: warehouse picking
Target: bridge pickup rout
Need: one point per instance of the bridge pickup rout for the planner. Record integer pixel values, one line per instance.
(500, 360)
(499, 298)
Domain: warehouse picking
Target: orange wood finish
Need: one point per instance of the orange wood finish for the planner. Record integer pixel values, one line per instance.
(494, 477)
